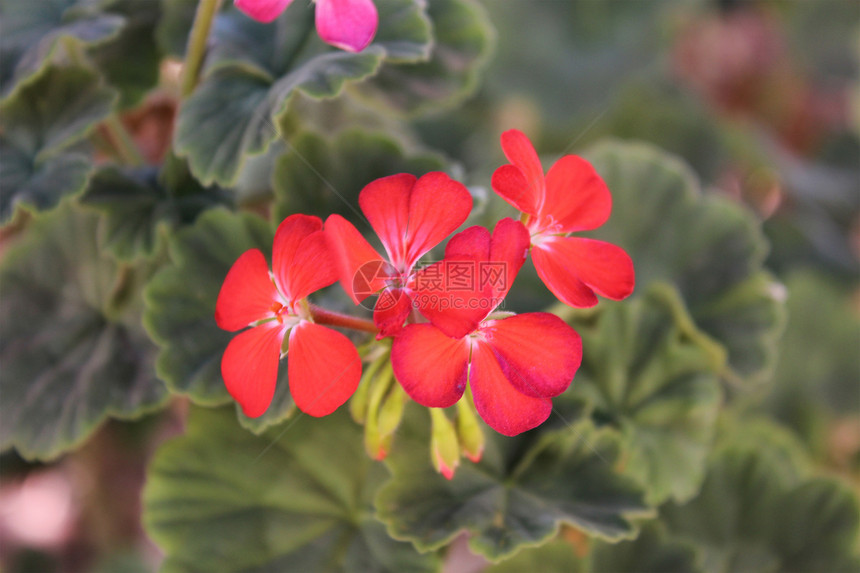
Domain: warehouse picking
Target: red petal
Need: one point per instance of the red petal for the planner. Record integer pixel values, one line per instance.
(509, 249)
(576, 196)
(511, 185)
(573, 267)
(290, 234)
(392, 308)
(430, 366)
(385, 202)
(506, 410)
(361, 270)
(250, 367)
(314, 266)
(247, 293)
(470, 244)
(520, 151)
(346, 24)
(262, 10)
(324, 368)
(538, 352)
(437, 206)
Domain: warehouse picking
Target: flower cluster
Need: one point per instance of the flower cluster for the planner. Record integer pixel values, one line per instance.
(447, 337)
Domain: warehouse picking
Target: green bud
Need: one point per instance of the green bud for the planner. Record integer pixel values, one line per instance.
(444, 446)
(469, 430)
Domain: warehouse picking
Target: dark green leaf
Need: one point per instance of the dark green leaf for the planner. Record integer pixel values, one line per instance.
(322, 177)
(649, 373)
(296, 499)
(650, 551)
(71, 345)
(31, 31)
(137, 207)
(754, 515)
(254, 70)
(515, 497)
(39, 123)
(463, 44)
(131, 60)
(709, 247)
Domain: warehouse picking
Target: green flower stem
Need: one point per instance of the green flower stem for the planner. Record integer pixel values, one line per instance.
(197, 41)
(331, 318)
(123, 143)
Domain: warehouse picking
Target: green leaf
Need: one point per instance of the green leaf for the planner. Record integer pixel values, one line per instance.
(254, 70)
(464, 41)
(131, 60)
(817, 371)
(222, 499)
(137, 208)
(31, 30)
(554, 557)
(753, 515)
(180, 309)
(517, 496)
(321, 177)
(51, 112)
(650, 551)
(71, 345)
(648, 373)
(709, 247)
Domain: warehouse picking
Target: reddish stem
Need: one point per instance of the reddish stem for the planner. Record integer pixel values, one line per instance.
(331, 318)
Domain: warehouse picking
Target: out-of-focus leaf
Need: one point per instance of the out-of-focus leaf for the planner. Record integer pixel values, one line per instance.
(463, 43)
(517, 496)
(171, 34)
(31, 31)
(137, 207)
(39, 122)
(709, 247)
(650, 551)
(817, 370)
(180, 309)
(650, 374)
(297, 499)
(71, 345)
(254, 69)
(321, 177)
(554, 557)
(131, 60)
(755, 514)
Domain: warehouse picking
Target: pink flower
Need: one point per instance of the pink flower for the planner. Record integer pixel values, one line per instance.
(346, 24)
(411, 216)
(513, 365)
(324, 366)
(572, 197)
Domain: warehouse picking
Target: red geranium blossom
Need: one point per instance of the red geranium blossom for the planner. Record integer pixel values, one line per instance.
(513, 365)
(411, 216)
(572, 197)
(346, 24)
(324, 367)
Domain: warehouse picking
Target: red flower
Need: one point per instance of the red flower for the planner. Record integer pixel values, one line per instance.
(572, 197)
(411, 216)
(514, 365)
(324, 366)
(346, 24)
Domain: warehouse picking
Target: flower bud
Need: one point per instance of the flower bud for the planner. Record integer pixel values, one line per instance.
(444, 446)
(469, 430)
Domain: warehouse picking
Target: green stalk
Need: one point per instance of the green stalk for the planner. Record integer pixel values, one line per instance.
(197, 44)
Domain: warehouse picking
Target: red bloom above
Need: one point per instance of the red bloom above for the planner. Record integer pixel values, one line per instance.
(514, 365)
(324, 367)
(410, 216)
(346, 24)
(572, 197)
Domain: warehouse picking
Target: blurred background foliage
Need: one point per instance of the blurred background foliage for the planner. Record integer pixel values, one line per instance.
(714, 426)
